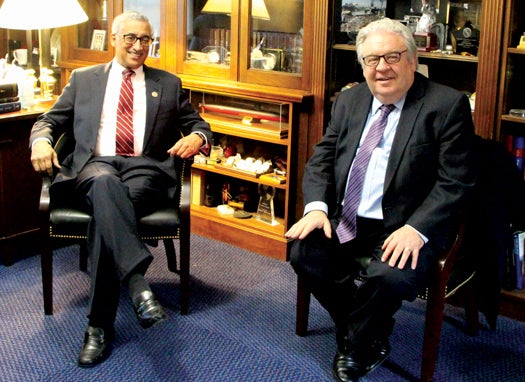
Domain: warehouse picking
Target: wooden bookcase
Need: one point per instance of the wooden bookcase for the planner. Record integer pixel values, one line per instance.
(512, 96)
(255, 138)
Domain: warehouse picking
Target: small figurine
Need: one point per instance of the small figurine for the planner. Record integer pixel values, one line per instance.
(428, 17)
(226, 196)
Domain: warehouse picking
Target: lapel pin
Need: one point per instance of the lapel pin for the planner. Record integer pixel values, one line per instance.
(155, 94)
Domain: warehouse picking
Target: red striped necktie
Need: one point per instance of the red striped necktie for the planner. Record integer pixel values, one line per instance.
(124, 137)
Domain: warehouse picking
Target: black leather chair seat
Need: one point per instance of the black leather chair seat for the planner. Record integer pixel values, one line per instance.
(68, 222)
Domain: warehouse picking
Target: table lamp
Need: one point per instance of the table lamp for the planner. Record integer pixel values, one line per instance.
(41, 15)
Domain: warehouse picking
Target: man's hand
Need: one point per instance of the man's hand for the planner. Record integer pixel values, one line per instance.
(400, 245)
(187, 147)
(312, 220)
(43, 157)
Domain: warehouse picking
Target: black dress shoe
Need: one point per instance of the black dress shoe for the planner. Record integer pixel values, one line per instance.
(377, 353)
(346, 368)
(96, 348)
(148, 310)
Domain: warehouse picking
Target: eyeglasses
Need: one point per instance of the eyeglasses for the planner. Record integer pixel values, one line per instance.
(131, 38)
(390, 58)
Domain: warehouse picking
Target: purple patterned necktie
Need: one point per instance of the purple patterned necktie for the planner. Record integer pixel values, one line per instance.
(124, 138)
(346, 230)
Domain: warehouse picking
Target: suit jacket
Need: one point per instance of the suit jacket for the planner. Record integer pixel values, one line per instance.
(429, 169)
(169, 115)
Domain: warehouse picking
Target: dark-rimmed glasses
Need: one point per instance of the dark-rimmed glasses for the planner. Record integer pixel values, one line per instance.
(131, 38)
(390, 58)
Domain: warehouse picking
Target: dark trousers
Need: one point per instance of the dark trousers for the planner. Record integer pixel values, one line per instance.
(363, 311)
(117, 191)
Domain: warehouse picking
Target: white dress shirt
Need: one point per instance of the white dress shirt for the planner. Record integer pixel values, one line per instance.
(106, 139)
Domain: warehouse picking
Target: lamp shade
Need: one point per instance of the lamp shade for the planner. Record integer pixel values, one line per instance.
(217, 6)
(259, 9)
(40, 14)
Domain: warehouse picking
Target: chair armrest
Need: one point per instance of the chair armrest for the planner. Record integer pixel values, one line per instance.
(45, 198)
(448, 258)
(185, 193)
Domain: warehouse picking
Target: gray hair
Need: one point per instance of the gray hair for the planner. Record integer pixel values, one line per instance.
(386, 25)
(121, 19)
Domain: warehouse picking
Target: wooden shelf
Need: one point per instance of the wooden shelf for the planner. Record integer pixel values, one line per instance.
(262, 132)
(251, 234)
(237, 174)
(511, 118)
(250, 225)
(516, 51)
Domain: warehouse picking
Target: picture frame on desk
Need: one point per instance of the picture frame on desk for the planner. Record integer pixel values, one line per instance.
(98, 40)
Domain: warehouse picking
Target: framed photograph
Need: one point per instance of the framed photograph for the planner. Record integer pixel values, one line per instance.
(357, 13)
(98, 40)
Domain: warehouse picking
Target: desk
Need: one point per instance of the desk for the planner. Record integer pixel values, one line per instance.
(19, 183)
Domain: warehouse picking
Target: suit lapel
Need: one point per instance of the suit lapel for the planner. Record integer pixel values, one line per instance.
(355, 125)
(153, 96)
(405, 128)
(98, 85)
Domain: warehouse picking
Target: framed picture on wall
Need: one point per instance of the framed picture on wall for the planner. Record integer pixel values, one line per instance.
(98, 40)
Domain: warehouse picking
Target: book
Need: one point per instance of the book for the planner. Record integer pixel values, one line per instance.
(8, 90)
(518, 151)
(9, 107)
(519, 252)
(9, 99)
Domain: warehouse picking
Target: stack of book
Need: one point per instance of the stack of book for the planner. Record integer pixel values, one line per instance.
(9, 100)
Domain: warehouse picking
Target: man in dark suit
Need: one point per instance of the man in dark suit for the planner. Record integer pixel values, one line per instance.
(118, 185)
(407, 208)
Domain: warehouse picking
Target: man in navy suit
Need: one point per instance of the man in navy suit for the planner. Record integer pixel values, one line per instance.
(117, 189)
(414, 189)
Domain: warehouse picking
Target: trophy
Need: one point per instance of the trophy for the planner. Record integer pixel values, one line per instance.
(265, 211)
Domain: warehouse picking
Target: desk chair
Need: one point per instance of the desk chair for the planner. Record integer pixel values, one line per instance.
(436, 294)
(67, 222)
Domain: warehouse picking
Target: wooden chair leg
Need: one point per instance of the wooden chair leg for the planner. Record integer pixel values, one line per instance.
(171, 256)
(302, 308)
(184, 242)
(471, 309)
(46, 263)
(433, 324)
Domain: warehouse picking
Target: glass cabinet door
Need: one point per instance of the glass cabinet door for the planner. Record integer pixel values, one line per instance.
(93, 34)
(208, 40)
(89, 41)
(276, 42)
(255, 41)
(273, 47)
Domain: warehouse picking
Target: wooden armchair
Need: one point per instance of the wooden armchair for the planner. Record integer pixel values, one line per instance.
(70, 223)
(436, 295)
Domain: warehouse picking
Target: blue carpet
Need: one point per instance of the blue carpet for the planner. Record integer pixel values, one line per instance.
(240, 328)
